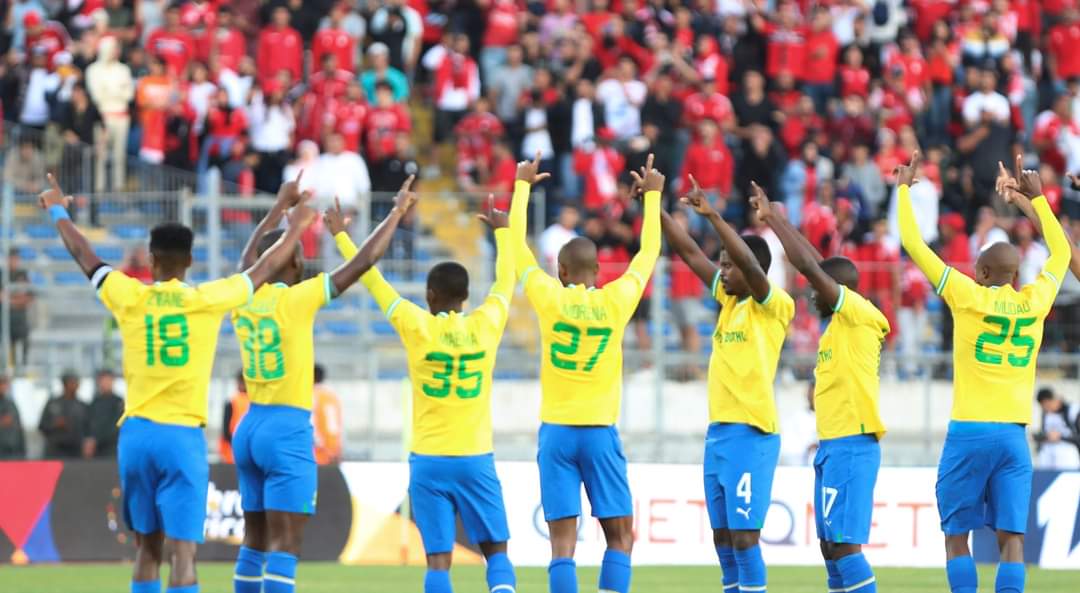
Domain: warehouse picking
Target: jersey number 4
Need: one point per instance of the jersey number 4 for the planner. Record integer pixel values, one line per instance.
(172, 332)
(263, 340)
(1005, 324)
(604, 333)
(463, 374)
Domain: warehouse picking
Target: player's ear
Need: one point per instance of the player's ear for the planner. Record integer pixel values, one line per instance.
(187, 261)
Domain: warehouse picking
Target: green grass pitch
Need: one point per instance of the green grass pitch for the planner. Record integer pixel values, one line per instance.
(335, 578)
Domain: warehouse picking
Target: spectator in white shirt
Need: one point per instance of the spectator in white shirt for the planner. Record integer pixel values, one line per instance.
(341, 174)
(1033, 254)
(987, 103)
(925, 199)
(623, 96)
(557, 235)
(35, 106)
(272, 126)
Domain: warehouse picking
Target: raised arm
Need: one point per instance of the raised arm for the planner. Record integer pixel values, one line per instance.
(739, 251)
(287, 197)
(56, 204)
(645, 260)
(300, 218)
(528, 173)
(1056, 241)
(686, 248)
(375, 246)
(505, 255)
(1009, 188)
(910, 237)
(799, 251)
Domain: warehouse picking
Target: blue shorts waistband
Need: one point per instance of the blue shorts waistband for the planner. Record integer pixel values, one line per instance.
(728, 429)
(965, 429)
(854, 439)
(279, 410)
(463, 458)
(140, 422)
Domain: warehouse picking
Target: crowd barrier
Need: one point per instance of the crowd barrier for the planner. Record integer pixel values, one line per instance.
(52, 511)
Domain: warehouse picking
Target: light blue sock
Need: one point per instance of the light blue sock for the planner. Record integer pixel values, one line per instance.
(729, 568)
(856, 574)
(751, 570)
(615, 572)
(188, 589)
(145, 586)
(962, 575)
(836, 582)
(437, 581)
(248, 577)
(562, 576)
(500, 574)
(1010, 578)
(280, 575)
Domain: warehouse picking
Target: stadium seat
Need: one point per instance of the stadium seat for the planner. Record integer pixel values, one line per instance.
(129, 232)
(200, 254)
(27, 253)
(38, 279)
(40, 231)
(342, 328)
(69, 278)
(57, 252)
(382, 328)
(110, 253)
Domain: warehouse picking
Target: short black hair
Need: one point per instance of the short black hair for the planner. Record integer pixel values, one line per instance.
(1044, 394)
(760, 248)
(171, 239)
(320, 373)
(449, 280)
(104, 373)
(843, 270)
(267, 241)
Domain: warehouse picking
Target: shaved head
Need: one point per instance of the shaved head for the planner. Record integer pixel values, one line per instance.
(578, 255)
(997, 265)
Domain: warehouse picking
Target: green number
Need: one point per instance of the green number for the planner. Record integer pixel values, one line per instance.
(604, 333)
(258, 347)
(444, 389)
(174, 350)
(463, 375)
(570, 350)
(997, 339)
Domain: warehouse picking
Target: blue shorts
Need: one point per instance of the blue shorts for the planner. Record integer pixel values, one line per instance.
(984, 478)
(163, 478)
(845, 471)
(740, 461)
(274, 448)
(440, 487)
(570, 456)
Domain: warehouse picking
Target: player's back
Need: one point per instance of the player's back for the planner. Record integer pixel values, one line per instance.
(581, 330)
(996, 340)
(451, 359)
(276, 335)
(170, 331)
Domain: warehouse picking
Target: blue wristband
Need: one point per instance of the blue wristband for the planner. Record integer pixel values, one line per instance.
(58, 213)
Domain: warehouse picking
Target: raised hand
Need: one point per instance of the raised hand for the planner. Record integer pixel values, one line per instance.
(697, 199)
(335, 220)
(54, 196)
(302, 215)
(289, 194)
(493, 217)
(905, 174)
(759, 201)
(530, 171)
(649, 179)
(1006, 186)
(1030, 182)
(406, 197)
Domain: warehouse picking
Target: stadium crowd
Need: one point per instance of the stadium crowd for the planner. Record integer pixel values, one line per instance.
(816, 101)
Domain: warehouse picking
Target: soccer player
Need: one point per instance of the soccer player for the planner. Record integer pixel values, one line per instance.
(169, 331)
(742, 446)
(581, 329)
(984, 476)
(846, 386)
(274, 445)
(451, 356)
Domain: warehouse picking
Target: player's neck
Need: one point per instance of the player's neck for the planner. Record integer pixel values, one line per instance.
(438, 308)
(167, 275)
(586, 280)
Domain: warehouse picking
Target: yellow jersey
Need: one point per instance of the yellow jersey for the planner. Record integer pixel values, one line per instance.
(581, 328)
(846, 380)
(451, 357)
(169, 331)
(998, 329)
(745, 350)
(276, 335)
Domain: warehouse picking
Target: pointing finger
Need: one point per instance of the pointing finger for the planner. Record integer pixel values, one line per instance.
(53, 183)
(649, 162)
(694, 181)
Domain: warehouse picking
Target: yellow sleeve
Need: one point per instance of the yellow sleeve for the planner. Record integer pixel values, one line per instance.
(381, 290)
(645, 259)
(519, 228)
(910, 237)
(345, 245)
(117, 290)
(1056, 241)
(716, 289)
(503, 289)
(539, 286)
(779, 304)
(310, 295)
(855, 310)
(227, 293)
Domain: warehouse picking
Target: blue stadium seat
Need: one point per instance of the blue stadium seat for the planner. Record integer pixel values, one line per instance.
(27, 253)
(227, 328)
(40, 231)
(57, 252)
(382, 327)
(200, 254)
(129, 232)
(113, 254)
(198, 277)
(38, 279)
(111, 207)
(70, 278)
(342, 328)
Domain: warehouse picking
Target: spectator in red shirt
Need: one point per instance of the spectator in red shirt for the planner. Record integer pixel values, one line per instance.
(600, 164)
(498, 177)
(819, 72)
(786, 42)
(709, 161)
(224, 126)
(1061, 47)
(226, 46)
(476, 135)
(851, 128)
(172, 43)
(501, 32)
(199, 19)
(878, 261)
(854, 76)
(335, 40)
(384, 122)
(348, 117)
(48, 37)
(708, 104)
(457, 85)
(686, 309)
(280, 48)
